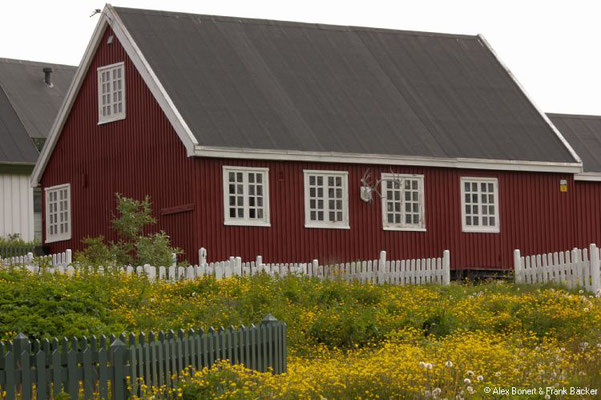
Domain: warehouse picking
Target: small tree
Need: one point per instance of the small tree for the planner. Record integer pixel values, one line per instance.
(132, 246)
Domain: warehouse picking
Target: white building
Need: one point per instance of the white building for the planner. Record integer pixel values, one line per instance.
(30, 96)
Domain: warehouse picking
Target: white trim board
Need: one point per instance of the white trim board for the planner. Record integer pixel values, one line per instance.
(588, 177)
(387, 159)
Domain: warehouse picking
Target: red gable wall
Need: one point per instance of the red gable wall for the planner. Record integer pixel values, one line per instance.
(143, 155)
(136, 156)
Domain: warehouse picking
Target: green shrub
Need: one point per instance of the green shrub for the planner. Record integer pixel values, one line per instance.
(133, 247)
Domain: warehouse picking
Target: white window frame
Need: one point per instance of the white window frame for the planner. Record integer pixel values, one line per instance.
(344, 224)
(246, 221)
(479, 228)
(57, 237)
(103, 119)
(403, 226)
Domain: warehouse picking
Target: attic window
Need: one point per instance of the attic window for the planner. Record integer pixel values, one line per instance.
(111, 93)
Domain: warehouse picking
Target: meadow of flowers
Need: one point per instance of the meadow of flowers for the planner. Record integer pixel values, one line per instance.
(346, 341)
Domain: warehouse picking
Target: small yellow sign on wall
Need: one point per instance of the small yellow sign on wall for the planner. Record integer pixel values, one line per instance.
(563, 185)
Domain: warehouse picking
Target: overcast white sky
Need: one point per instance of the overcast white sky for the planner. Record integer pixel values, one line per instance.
(552, 47)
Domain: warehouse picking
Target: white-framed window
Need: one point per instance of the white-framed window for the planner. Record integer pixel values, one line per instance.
(403, 202)
(326, 199)
(58, 213)
(246, 196)
(111, 93)
(480, 205)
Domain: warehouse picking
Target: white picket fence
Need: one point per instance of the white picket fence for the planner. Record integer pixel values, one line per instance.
(398, 272)
(53, 260)
(575, 268)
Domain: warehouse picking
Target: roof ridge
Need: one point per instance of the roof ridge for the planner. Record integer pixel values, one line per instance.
(315, 25)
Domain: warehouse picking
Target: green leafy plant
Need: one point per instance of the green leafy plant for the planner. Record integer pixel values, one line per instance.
(133, 246)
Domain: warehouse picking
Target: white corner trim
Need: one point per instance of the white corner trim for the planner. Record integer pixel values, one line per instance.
(542, 114)
(386, 159)
(110, 18)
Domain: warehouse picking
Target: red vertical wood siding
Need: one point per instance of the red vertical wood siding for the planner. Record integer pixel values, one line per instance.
(143, 155)
(136, 156)
(588, 213)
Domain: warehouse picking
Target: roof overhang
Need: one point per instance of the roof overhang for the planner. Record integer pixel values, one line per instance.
(588, 177)
(350, 158)
(11, 168)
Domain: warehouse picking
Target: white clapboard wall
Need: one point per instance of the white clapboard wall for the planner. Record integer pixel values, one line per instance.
(398, 272)
(16, 206)
(577, 268)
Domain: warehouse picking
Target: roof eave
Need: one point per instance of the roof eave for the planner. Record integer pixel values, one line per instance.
(387, 159)
(588, 177)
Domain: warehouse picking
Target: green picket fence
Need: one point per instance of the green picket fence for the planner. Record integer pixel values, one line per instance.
(112, 368)
(16, 250)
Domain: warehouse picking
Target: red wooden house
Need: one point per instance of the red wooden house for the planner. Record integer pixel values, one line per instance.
(263, 137)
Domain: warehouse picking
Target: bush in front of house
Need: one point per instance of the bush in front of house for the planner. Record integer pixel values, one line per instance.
(133, 247)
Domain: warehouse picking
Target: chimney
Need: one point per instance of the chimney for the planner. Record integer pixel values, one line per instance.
(48, 76)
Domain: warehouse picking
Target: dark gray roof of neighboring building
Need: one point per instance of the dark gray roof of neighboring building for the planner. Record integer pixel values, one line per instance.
(583, 132)
(15, 144)
(36, 103)
(244, 83)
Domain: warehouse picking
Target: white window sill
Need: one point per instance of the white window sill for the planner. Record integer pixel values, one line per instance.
(480, 230)
(393, 228)
(247, 223)
(55, 239)
(324, 226)
(109, 120)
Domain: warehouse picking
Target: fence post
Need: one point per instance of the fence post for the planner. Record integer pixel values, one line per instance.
(446, 267)
(517, 266)
(202, 256)
(29, 259)
(595, 269)
(381, 266)
(117, 351)
(238, 271)
(173, 260)
(315, 268)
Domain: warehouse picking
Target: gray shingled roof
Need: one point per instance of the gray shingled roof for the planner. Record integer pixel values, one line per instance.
(583, 132)
(15, 144)
(28, 106)
(257, 84)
